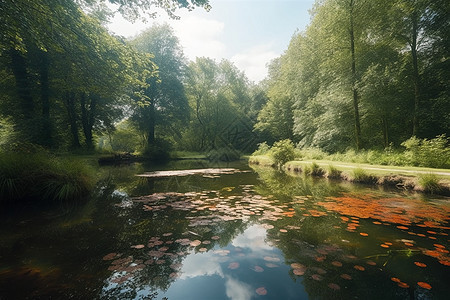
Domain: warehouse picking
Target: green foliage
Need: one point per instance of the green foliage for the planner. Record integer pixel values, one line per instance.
(316, 170)
(360, 175)
(433, 153)
(159, 151)
(282, 152)
(334, 173)
(26, 176)
(263, 149)
(430, 183)
(223, 154)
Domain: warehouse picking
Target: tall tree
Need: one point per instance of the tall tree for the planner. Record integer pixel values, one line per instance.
(166, 107)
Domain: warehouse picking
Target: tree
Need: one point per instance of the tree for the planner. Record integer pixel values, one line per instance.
(166, 107)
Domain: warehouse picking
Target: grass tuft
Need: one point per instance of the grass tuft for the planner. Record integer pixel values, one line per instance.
(430, 183)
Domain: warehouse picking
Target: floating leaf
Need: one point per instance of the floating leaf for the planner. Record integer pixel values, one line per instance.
(363, 234)
(384, 246)
(283, 230)
(395, 279)
(402, 227)
(371, 262)
(419, 264)
(111, 256)
(297, 266)
(261, 291)
(215, 237)
(195, 243)
(202, 250)
(403, 285)
(233, 265)
(445, 262)
(138, 246)
(424, 285)
(336, 263)
(258, 269)
(316, 277)
(359, 268)
(346, 276)
(299, 272)
(271, 258)
(334, 286)
(271, 265)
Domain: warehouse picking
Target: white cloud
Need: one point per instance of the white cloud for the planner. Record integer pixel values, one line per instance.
(200, 264)
(253, 61)
(200, 37)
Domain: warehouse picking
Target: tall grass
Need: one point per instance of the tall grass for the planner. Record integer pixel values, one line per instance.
(38, 177)
(430, 183)
(360, 175)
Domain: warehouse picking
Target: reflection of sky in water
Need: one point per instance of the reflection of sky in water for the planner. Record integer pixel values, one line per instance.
(200, 265)
(237, 290)
(252, 238)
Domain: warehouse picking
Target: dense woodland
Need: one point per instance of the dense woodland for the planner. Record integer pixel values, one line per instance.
(363, 75)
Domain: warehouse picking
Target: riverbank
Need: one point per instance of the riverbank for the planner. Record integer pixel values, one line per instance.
(428, 180)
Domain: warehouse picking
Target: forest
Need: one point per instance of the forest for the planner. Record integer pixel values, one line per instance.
(363, 76)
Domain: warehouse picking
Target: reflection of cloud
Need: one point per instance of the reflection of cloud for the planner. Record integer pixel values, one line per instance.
(253, 238)
(200, 265)
(253, 61)
(237, 290)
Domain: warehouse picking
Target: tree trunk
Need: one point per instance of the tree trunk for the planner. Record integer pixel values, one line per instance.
(46, 129)
(385, 132)
(354, 90)
(72, 117)
(88, 111)
(416, 78)
(18, 66)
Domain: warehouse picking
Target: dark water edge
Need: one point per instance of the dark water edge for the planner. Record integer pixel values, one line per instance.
(282, 224)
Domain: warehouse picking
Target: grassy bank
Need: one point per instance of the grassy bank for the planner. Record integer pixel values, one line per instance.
(428, 180)
(43, 178)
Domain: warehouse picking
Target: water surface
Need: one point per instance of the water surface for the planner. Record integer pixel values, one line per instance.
(254, 234)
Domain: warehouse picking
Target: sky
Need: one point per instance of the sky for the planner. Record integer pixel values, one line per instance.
(250, 33)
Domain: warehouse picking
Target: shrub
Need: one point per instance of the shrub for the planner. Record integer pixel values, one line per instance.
(159, 151)
(263, 149)
(433, 153)
(35, 176)
(316, 170)
(332, 172)
(430, 183)
(282, 152)
(360, 175)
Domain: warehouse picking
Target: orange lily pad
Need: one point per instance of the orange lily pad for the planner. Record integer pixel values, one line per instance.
(424, 285)
(419, 264)
(261, 291)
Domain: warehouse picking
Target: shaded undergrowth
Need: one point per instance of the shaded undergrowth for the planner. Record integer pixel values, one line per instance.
(40, 177)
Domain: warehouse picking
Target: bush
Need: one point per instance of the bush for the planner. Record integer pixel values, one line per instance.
(36, 177)
(316, 170)
(433, 153)
(430, 183)
(360, 175)
(332, 172)
(159, 151)
(282, 152)
(263, 149)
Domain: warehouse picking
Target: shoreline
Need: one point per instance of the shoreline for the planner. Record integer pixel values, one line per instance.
(401, 177)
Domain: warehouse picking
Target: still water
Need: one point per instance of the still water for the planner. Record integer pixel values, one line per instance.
(246, 234)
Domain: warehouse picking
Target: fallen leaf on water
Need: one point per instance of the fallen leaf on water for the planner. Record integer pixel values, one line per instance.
(297, 266)
(283, 230)
(424, 285)
(195, 243)
(371, 262)
(336, 263)
(395, 279)
(363, 234)
(403, 285)
(384, 246)
(346, 276)
(445, 262)
(258, 269)
(233, 265)
(299, 272)
(376, 223)
(409, 244)
(388, 243)
(334, 286)
(138, 246)
(316, 277)
(270, 265)
(271, 258)
(439, 246)
(202, 249)
(419, 264)
(402, 227)
(261, 291)
(110, 256)
(359, 268)
(215, 237)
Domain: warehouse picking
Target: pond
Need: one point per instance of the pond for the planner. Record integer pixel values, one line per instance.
(247, 233)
